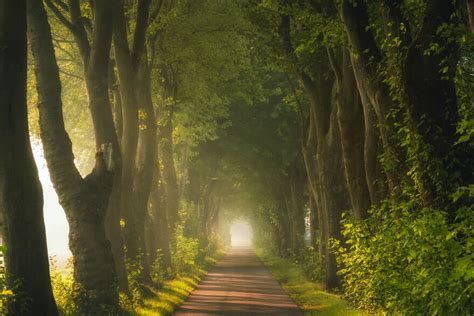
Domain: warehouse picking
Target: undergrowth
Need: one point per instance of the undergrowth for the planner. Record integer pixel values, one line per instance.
(308, 295)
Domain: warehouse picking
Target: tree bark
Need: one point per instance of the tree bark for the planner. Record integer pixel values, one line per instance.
(166, 153)
(323, 113)
(470, 14)
(330, 168)
(128, 62)
(21, 195)
(374, 92)
(84, 200)
(160, 221)
(146, 158)
(351, 125)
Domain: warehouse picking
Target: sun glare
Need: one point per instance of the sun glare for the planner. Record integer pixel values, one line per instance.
(241, 234)
(57, 228)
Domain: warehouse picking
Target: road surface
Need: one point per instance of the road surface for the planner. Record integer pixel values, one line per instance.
(239, 285)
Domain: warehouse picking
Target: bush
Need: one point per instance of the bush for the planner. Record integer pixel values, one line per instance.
(312, 264)
(185, 253)
(63, 288)
(409, 260)
(158, 274)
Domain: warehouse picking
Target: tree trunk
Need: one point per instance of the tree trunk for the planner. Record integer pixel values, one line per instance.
(128, 66)
(373, 90)
(330, 165)
(470, 14)
(146, 158)
(311, 164)
(314, 222)
(84, 200)
(429, 87)
(293, 197)
(166, 154)
(336, 199)
(351, 125)
(160, 222)
(21, 196)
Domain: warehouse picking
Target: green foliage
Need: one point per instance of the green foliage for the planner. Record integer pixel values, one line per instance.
(7, 296)
(184, 256)
(410, 260)
(158, 273)
(62, 282)
(312, 264)
(134, 273)
(69, 295)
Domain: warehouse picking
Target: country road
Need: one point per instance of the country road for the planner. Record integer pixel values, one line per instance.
(239, 285)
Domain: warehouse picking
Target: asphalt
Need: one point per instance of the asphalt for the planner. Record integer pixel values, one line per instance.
(239, 285)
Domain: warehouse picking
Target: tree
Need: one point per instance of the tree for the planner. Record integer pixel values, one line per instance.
(84, 200)
(21, 195)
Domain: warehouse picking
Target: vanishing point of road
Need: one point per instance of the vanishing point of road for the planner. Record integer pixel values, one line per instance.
(239, 285)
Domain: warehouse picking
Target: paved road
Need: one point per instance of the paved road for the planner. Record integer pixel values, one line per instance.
(239, 285)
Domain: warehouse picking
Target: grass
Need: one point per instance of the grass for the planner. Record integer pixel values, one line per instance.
(174, 292)
(308, 295)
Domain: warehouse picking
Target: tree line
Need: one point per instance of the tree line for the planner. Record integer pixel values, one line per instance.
(350, 119)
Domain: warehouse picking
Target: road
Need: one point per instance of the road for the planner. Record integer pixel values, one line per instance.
(239, 285)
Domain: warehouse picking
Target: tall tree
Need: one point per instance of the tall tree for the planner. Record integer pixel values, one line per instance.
(84, 200)
(137, 146)
(21, 195)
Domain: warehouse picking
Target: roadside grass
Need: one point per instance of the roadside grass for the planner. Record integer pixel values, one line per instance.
(308, 295)
(174, 292)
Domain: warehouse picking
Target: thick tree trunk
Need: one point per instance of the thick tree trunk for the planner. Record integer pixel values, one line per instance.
(21, 196)
(330, 166)
(84, 200)
(160, 222)
(146, 158)
(114, 234)
(335, 194)
(128, 65)
(311, 164)
(112, 220)
(112, 226)
(351, 125)
(372, 88)
(295, 209)
(166, 153)
(129, 142)
(375, 177)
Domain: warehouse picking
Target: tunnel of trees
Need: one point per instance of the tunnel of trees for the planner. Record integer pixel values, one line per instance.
(340, 130)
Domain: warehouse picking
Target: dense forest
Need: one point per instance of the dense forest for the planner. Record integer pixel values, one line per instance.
(341, 131)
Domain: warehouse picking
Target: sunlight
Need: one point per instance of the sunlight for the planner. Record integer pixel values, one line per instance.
(57, 228)
(241, 233)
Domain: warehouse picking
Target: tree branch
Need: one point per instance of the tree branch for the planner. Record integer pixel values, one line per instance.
(334, 64)
(69, 74)
(61, 17)
(80, 34)
(140, 31)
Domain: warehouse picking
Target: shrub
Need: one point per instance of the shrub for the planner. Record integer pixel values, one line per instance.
(185, 253)
(63, 288)
(312, 264)
(409, 260)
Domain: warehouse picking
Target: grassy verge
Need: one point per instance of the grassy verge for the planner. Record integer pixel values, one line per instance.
(309, 296)
(174, 292)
